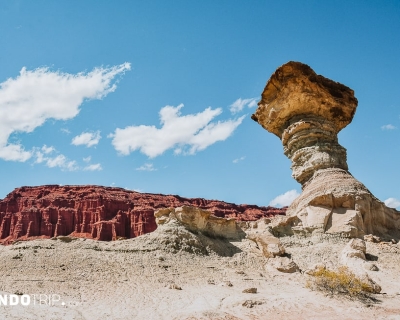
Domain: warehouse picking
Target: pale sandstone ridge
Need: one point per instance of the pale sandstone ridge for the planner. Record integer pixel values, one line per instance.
(306, 111)
(197, 231)
(200, 221)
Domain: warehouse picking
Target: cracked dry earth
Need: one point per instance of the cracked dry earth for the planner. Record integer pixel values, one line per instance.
(143, 278)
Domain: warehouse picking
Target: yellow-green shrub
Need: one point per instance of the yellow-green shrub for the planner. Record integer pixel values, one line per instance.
(342, 281)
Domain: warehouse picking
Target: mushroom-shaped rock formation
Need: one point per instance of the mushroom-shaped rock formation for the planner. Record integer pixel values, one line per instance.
(306, 111)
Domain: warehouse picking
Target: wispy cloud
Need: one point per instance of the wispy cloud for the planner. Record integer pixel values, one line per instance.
(62, 162)
(388, 127)
(240, 103)
(93, 167)
(31, 98)
(238, 159)
(65, 130)
(185, 134)
(284, 199)
(65, 164)
(47, 150)
(45, 155)
(87, 139)
(146, 167)
(392, 203)
(87, 159)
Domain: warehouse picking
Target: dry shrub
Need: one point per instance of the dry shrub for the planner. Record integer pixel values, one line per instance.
(343, 282)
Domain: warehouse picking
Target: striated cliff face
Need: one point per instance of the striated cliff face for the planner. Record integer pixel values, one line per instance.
(101, 213)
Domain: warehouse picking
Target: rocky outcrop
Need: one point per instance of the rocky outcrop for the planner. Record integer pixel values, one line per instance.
(100, 213)
(353, 257)
(307, 111)
(201, 221)
(194, 230)
(269, 245)
(282, 264)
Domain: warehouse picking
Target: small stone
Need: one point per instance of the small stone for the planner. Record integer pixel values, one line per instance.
(250, 290)
(284, 264)
(357, 244)
(228, 283)
(269, 245)
(370, 266)
(251, 303)
(372, 238)
(174, 286)
(355, 248)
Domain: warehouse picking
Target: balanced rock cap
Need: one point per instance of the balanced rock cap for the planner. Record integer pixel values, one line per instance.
(295, 90)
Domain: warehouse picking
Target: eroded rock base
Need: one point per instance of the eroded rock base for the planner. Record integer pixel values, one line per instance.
(334, 202)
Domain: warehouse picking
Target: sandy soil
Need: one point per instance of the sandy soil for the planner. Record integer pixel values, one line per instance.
(140, 279)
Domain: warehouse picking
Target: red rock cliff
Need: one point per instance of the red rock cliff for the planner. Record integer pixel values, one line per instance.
(100, 213)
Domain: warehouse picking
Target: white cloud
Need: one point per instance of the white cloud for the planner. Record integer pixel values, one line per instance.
(58, 161)
(146, 167)
(31, 98)
(93, 167)
(13, 152)
(40, 157)
(388, 127)
(44, 155)
(62, 162)
(284, 199)
(238, 159)
(40, 153)
(64, 130)
(240, 103)
(47, 150)
(193, 131)
(392, 203)
(88, 139)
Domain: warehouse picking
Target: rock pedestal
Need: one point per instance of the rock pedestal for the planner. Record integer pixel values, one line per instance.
(307, 111)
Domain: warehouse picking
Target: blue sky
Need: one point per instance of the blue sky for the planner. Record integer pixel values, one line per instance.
(144, 95)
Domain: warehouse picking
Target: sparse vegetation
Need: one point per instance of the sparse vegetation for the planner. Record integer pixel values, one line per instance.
(18, 256)
(342, 282)
(33, 247)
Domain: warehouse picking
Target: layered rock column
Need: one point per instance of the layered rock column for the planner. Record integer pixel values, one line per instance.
(307, 111)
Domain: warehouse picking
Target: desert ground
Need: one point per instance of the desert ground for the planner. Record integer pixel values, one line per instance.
(181, 275)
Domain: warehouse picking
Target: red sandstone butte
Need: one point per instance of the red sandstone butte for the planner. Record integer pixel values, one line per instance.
(100, 213)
